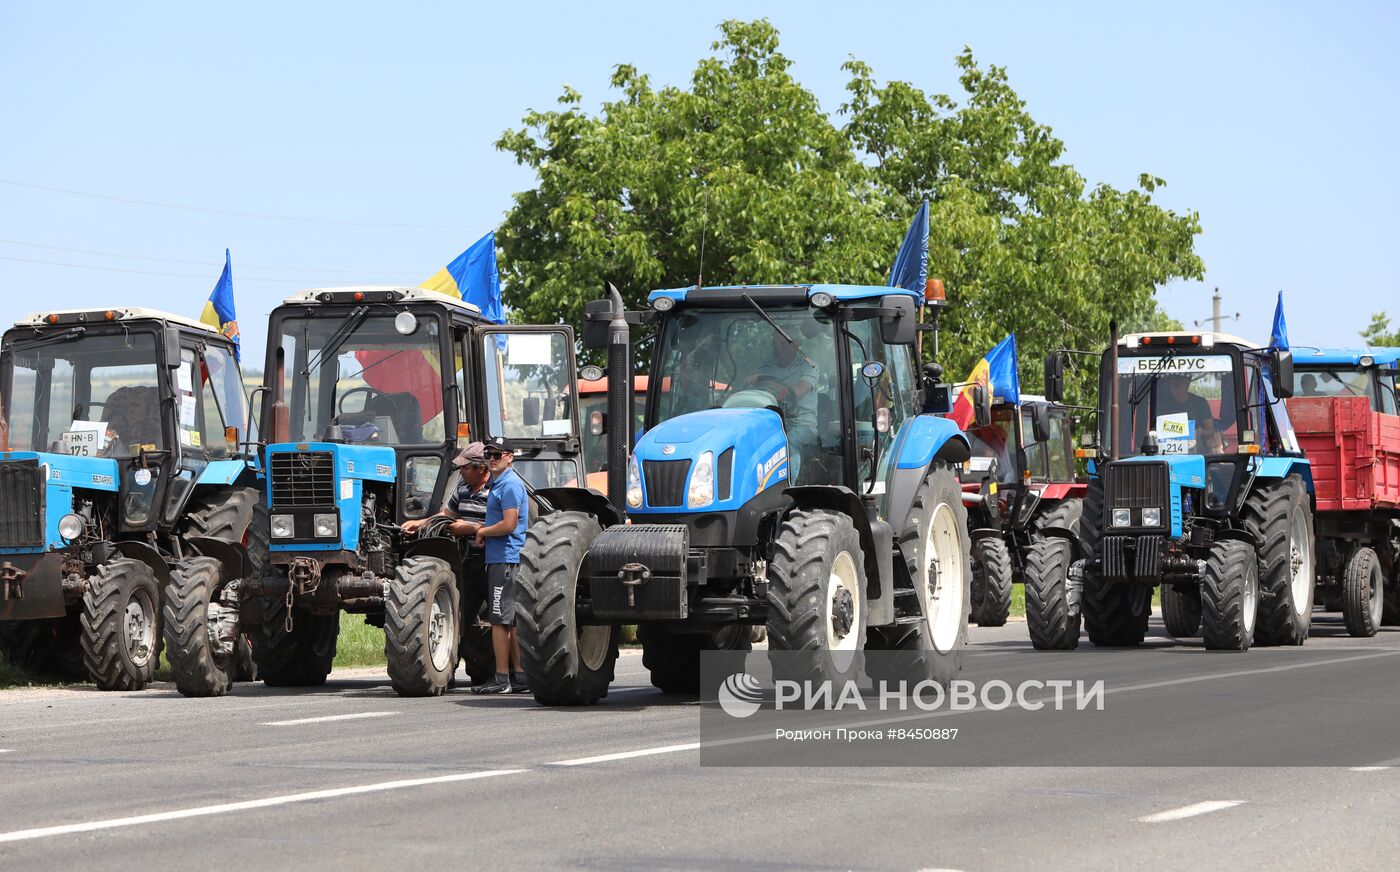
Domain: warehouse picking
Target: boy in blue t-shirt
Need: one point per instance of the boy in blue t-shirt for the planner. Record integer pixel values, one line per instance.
(507, 516)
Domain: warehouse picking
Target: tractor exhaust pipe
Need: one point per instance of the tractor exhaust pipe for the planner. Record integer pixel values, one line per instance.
(619, 401)
(1112, 429)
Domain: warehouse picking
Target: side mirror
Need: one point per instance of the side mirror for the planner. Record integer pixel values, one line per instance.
(530, 412)
(981, 406)
(596, 315)
(901, 327)
(1055, 377)
(938, 399)
(1282, 373)
(172, 347)
(1040, 422)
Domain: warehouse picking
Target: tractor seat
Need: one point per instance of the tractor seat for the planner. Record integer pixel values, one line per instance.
(134, 414)
(403, 410)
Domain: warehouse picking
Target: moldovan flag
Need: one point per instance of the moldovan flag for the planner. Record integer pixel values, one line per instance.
(473, 277)
(999, 373)
(219, 313)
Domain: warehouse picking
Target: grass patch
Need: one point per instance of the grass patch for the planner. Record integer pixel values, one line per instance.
(359, 644)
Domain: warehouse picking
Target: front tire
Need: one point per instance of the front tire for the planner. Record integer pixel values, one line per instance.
(1229, 597)
(1181, 610)
(1115, 613)
(121, 625)
(991, 582)
(421, 628)
(816, 595)
(301, 657)
(192, 621)
(1363, 593)
(1051, 615)
(48, 648)
(565, 664)
(673, 659)
(1279, 516)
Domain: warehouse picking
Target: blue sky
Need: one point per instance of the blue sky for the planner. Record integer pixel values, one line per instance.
(1276, 122)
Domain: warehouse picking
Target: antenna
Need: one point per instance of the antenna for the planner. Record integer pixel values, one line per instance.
(704, 220)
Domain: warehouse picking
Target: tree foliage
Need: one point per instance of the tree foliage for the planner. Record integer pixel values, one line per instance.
(1379, 332)
(742, 177)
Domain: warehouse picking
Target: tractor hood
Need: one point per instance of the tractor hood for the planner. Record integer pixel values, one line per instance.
(1186, 470)
(310, 478)
(741, 451)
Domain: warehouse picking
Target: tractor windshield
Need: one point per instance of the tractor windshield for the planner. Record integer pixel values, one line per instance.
(1341, 382)
(377, 385)
(733, 358)
(91, 394)
(992, 448)
(1186, 400)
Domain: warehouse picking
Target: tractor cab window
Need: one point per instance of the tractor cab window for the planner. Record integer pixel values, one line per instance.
(882, 408)
(1052, 459)
(223, 401)
(993, 448)
(733, 358)
(376, 384)
(1186, 400)
(1344, 382)
(96, 395)
(529, 385)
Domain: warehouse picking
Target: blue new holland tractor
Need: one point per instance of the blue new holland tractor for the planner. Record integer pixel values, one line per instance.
(790, 473)
(1198, 485)
(122, 480)
(370, 393)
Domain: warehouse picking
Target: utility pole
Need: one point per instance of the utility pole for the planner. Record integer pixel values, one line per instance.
(1215, 311)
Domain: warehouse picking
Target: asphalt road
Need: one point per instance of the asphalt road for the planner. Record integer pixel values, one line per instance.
(351, 776)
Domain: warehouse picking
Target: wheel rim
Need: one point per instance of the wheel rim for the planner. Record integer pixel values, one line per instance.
(844, 616)
(593, 644)
(1300, 561)
(1377, 602)
(138, 628)
(943, 583)
(440, 646)
(1250, 604)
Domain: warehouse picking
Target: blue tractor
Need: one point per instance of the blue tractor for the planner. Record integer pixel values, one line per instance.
(1197, 485)
(122, 480)
(370, 393)
(789, 474)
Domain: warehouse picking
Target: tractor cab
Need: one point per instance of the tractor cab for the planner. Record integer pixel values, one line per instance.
(1349, 372)
(1024, 452)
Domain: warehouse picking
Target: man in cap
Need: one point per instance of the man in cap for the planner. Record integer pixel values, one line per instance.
(507, 516)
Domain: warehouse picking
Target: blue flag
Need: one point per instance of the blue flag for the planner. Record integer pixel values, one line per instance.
(219, 312)
(1004, 372)
(1279, 339)
(473, 277)
(910, 269)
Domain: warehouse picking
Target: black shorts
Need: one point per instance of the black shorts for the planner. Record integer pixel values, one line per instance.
(500, 589)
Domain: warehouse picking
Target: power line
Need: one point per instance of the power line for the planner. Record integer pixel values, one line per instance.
(146, 272)
(257, 215)
(214, 265)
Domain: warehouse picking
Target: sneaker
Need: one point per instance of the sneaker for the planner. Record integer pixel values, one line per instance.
(498, 684)
(518, 684)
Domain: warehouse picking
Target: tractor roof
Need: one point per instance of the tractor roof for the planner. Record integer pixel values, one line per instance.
(1203, 340)
(1343, 357)
(101, 316)
(839, 293)
(398, 293)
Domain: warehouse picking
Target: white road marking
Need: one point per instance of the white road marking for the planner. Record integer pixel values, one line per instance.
(1188, 811)
(627, 755)
(7, 750)
(322, 720)
(1369, 768)
(202, 811)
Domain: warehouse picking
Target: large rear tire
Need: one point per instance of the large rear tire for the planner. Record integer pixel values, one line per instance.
(193, 617)
(937, 553)
(565, 664)
(1279, 516)
(1229, 597)
(121, 625)
(1181, 610)
(1063, 515)
(301, 657)
(673, 659)
(816, 596)
(46, 648)
(1052, 613)
(991, 582)
(1115, 613)
(421, 627)
(1363, 593)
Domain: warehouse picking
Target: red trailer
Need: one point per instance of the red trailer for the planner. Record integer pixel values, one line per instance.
(1345, 417)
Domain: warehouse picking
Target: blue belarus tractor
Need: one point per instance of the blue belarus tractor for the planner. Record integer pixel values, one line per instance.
(790, 474)
(370, 392)
(122, 484)
(1198, 486)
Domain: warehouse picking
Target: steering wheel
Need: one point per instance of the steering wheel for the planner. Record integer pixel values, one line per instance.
(340, 404)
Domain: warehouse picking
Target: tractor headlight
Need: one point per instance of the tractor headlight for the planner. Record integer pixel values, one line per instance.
(325, 526)
(1152, 517)
(1122, 518)
(702, 482)
(634, 478)
(71, 527)
(282, 527)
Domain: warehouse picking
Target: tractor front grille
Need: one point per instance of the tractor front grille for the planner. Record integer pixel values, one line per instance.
(1137, 486)
(21, 504)
(303, 479)
(665, 481)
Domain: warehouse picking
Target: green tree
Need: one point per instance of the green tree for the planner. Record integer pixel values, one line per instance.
(742, 176)
(1379, 332)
